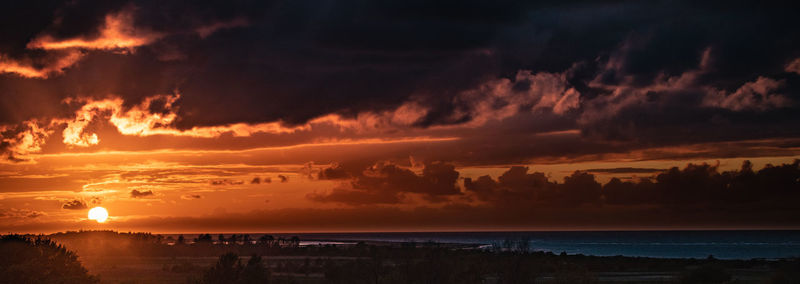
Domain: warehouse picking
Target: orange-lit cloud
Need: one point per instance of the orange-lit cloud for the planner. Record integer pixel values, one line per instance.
(14, 213)
(20, 141)
(75, 205)
(141, 193)
(139, 120)
(117, 33)
(191, 196)
(27, 68)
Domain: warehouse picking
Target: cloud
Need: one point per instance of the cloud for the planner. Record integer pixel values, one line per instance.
(15, 213)
(693, 196)
(191, 196)
(75, 205)
(502, 98)
(138, 120)
(352, 196)
(793, 66)
(283, 178)
(388, 183)
(116, 33)
(623, 104)
(32, 69)
(517, 187)
(694, 188)
(504, 70)
(207, 30)
(704, 185)
(333, 172)
(226, 182)
(17, 142)
(142, 120)
(141, 194)
(758, 95)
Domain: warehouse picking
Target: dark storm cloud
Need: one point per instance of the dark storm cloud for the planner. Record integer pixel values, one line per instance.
(141, 193)
(387, 184)
(334, 172)
(75, 205)
(326, 50)
(648, 73)
(703, 185)
(517, 187)
(691, 189)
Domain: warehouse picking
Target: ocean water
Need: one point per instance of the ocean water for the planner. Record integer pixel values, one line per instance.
(665, 244)
(739, 244)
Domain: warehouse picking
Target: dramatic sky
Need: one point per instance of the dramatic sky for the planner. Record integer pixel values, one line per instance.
(266, 116)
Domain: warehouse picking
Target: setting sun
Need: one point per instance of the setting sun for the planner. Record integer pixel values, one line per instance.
(405, 141)
(98, 214)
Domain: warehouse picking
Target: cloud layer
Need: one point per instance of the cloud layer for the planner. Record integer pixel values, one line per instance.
(395, 104)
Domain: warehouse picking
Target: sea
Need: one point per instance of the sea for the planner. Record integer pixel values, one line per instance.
(721, 244)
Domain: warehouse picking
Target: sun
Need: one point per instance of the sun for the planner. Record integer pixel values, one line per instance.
(98, 214)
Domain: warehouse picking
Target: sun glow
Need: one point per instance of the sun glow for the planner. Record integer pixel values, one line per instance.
(98, 214)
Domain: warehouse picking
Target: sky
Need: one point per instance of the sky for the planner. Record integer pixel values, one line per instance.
(322, 116)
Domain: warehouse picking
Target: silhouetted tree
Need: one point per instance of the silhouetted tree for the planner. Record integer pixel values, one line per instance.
(226, 270)
(267, 240)
(255, 272)
(294, 242)
(229, 269)
(26, 260)
(204, 238)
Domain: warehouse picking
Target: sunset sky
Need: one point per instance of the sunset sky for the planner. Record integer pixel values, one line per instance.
(312, 116)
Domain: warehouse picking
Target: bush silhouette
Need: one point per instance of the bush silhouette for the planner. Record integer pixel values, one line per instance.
(229, 269)
(39, 260)
(706, 274)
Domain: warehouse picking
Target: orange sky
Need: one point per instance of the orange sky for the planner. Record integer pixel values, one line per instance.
(199, 183)
(199, 117)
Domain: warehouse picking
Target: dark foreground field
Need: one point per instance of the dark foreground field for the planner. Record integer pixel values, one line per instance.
(110, 257)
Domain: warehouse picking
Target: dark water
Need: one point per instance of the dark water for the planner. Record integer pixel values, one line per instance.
(674, 244)
(668, 244)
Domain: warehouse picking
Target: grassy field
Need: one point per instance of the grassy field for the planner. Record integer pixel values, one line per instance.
(115, 257)
(185, 269)
(182, 269)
